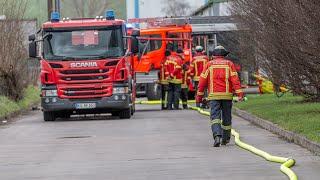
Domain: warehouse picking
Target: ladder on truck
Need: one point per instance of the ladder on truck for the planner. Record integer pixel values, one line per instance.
(205, 27)
(199, 24)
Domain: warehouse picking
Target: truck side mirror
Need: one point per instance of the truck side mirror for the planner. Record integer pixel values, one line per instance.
(32, 37)
(134, 45)
(135, 41)
(135, 33)
(33, 49)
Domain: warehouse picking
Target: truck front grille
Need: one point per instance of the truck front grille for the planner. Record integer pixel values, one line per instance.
(85, 91)
(85, 83)
(80, 76)
(86, 71)
(83, 78)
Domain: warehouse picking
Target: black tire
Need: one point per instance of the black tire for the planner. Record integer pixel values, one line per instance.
(125, 114)
(153, 91)
(49, 116)
(114, 114)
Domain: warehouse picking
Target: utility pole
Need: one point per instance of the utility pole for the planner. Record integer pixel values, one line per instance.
(56, 7)
(50, 9)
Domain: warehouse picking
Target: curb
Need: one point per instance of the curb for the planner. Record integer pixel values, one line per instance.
(287, 135)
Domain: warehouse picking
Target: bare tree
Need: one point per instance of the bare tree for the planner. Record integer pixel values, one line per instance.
(13, 55)
(87, 8)
(176, 8)
(285, 36)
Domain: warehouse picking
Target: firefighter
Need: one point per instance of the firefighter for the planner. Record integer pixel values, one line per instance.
(173, 67)
(163, 81)
(198, 63)
(186, 79)
(221, 79)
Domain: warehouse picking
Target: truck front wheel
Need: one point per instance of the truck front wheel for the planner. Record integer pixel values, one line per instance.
(125, 114)
(49, 116)
(153, 91)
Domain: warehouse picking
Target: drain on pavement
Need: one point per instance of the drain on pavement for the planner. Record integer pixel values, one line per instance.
(74, 137)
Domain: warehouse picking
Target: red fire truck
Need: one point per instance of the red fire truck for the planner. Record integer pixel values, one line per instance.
(86, 66)
(156, 34)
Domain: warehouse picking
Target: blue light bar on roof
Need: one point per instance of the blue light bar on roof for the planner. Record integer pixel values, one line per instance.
(110, 15)
(55, 17)
(129, 26)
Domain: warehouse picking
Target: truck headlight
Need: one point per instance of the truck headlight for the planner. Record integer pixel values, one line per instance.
(50, 93)
(120, 90)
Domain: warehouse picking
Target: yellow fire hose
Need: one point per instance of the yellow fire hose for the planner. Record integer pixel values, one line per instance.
(286, 163)
(159, 102)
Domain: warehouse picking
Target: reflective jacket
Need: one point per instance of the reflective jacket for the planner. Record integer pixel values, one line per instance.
(186, 79)
(163, 76)
(173, 69)
(197, 65)
(221, 79)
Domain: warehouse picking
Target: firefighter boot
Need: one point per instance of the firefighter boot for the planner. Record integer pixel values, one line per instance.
(225, 142)
(217, 141)
(226, 135)
(185, 106)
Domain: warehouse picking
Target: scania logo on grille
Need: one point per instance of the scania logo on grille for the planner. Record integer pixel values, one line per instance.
(83, 64)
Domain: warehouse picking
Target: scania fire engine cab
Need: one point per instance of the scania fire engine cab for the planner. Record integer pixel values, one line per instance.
(86, 66)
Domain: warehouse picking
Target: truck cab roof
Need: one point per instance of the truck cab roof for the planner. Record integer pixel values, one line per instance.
(84, 22)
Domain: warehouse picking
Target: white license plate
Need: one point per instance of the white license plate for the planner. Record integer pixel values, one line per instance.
(86, 105)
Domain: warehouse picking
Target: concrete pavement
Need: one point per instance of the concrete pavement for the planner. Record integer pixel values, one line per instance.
(154, 144)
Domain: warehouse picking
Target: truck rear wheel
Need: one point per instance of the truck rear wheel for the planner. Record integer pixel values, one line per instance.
(125, 114)
(153, 91)
(49, 116)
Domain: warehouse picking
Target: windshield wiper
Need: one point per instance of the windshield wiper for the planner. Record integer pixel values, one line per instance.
(62, 58)
(100, 57)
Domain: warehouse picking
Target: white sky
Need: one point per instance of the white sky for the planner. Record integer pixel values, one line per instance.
(152, 8)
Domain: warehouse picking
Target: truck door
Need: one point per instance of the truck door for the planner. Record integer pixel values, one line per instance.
(152, 53)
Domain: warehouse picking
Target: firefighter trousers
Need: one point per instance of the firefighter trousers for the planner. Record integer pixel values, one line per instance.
(184, 97)
(196, 84)
(221, 118)
(174, 95)
(164, 96)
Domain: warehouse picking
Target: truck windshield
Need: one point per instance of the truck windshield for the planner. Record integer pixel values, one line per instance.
(83, 44)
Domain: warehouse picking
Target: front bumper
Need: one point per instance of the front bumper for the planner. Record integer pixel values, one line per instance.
(103, 105)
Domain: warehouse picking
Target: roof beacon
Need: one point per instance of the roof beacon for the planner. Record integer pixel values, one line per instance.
(55, 17)
(110, 15)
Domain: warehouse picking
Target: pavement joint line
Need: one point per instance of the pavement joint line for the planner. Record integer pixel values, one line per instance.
(286, 163)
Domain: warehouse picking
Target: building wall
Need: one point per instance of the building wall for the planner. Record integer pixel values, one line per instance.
(37, 9)
(217, 9)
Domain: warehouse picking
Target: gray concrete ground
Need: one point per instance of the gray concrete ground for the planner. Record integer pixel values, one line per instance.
(153, 145)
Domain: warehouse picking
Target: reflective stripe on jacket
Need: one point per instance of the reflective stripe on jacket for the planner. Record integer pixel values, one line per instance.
(163, 77)
(186, 80)
(197, 65)
(221, 79)
(173, 66)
